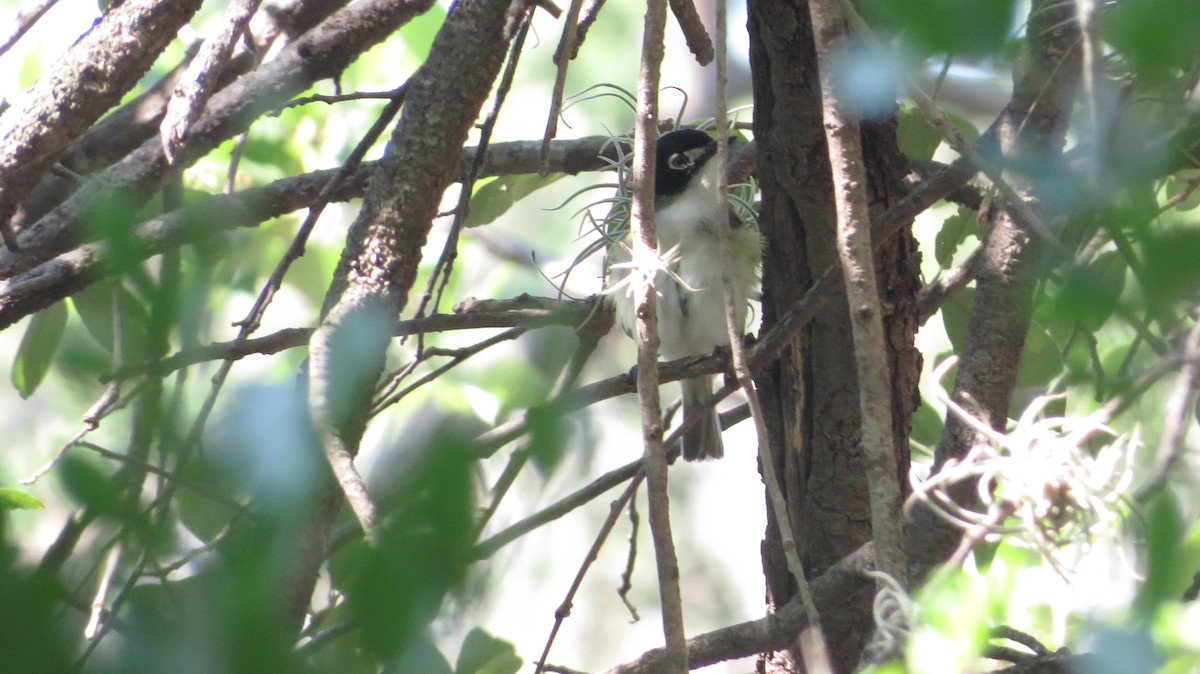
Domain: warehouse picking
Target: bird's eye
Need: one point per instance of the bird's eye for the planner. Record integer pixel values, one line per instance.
(679, 161)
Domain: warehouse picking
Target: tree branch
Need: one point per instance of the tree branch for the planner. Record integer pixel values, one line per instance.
(1031, 131)
(646, 264)
(843, 138)
(48, 282)
(129, 126)
(644, 271)
(322, 52)
(773, 632)
(379, 264)
(698, 41)
(23, 22)
(88, 80)
(189, 97)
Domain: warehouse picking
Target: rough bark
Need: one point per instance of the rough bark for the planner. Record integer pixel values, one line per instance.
(129, 126)
(810, 394)
(878, 449)
(90, 78)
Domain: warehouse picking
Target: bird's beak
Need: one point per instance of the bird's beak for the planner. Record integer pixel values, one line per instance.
(711, 149)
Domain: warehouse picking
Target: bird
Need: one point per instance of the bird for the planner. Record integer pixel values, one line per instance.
(690, 303)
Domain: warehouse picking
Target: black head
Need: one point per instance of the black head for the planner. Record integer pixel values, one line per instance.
(681, 154)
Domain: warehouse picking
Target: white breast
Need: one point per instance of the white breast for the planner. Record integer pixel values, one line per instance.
(691, 319)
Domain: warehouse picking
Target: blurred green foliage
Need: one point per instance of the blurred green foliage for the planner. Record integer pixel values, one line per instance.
(202, 544)
(966, 28)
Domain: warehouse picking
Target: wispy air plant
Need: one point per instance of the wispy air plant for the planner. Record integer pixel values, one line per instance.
(611, 233)
(1044, 482)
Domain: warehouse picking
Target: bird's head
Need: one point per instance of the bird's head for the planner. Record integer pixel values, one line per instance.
(681, 155)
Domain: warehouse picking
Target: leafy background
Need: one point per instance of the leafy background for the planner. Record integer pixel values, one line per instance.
(438, 609)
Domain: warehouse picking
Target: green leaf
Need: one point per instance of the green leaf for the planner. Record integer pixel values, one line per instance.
(960, 27)
(12, 499)
(916, 137)
(32, 66)
(965, 127)
(956, 311)
(89, 485)
(1041, 361)
(418, 655)
(204, 517)
(1170, 270)
(953, 625)
(1163, 535)
(483, 653)
(395, 589)
(548, 435)
(1090, 294)
(502, 664)
(34, 639)
(494, 198)
(95, 308)
(268, 152)
(37, 348)
(953, 232)
(927, 426)
(1156, 37)
(984, 552)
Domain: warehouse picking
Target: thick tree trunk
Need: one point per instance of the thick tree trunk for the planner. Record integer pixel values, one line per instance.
(811, 394)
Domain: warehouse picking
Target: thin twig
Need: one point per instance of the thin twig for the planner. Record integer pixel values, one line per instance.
(200, 80)
(54, 460)
(566, 46)
(596, 326)
(949, 284)
(445, 263)
(564, 609)
(645, 262)
(591, 12)
(1026, 640)
(1177, 415)
(23, 22)
(107, 625)
(814, 647)
(558, 509)
(524, 311)
(107, 404)
(456, 359)
(442, 269)
(698, 41)
(335, 98)
(145, 466)
(630, 558)
(95, 619)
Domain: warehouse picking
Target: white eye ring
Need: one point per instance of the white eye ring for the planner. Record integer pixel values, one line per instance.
(679, 161)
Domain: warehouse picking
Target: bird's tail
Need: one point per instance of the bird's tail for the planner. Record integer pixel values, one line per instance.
(703, 440)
